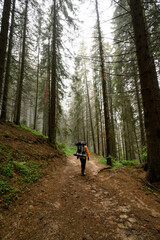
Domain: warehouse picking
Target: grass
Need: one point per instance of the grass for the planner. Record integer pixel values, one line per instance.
(66, 149)
(20, 127)
(34, 131)
(116, 164)
(15, 169)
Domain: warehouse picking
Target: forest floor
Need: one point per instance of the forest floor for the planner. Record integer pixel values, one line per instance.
(63, 205)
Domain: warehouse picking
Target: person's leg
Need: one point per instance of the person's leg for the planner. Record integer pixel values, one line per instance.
(83, 165)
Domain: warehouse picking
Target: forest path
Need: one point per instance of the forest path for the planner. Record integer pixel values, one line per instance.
(103, 205)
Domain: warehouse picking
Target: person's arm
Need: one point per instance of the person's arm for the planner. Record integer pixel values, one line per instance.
(87, 152)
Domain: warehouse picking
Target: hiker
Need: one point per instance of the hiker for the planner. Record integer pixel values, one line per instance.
(82, 153)
(83, 161)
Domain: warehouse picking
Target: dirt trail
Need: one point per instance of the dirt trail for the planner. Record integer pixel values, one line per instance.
(102, 205)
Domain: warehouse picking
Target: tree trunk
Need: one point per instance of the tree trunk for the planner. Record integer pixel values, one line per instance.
(46, 108)
(52, 113)
(150, 91)
(104, 87)
(90, 115)
(101, 127)
(139, 112)
(97, 116)
(113, 141)
(87, 135)
(6, 84)
(3, 39)
(83, 126)
(20, 87)
(36, 106)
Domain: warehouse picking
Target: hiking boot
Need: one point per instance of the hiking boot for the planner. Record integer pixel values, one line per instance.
(82, 174)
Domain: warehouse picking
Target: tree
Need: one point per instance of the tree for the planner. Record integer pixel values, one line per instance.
(4, 38)
(104, 87)
(20, 83)
(90, 113)
(6, 83)
(38, 64)
(149, 89)
(58, 70)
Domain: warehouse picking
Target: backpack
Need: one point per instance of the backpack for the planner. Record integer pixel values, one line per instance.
(80, 149)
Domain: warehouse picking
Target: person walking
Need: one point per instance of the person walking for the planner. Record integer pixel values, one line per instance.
(83, 161)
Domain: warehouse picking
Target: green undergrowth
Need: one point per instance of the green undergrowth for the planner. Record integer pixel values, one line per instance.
(117, 164)
(68, 150)
(33, 131)
(17, 169)
(21, 127)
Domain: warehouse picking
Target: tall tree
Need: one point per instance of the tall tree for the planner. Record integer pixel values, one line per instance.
(58, 71)
(38, 64)
(3, 38)
(104, 87)
(90, 113)
(52, 116)
(6, 83)
(20, 83)
(150, 90)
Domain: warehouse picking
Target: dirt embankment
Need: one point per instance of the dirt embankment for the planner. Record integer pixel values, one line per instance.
(104, 204)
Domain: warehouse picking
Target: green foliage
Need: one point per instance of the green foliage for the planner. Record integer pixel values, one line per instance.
(101, 159)
(7, 171)
(4, 187)
(29, 171)
(66, 149)
(6, 152)
(130, 163)
(13, 193)
(144, 154)
(20, 127)
(33, 131)
(21, 168)
(116, 164)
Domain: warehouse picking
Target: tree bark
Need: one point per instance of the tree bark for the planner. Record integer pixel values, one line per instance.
(4, 38)
(104, 87)
(52, 113)
(143, 143)
(87, 134)
(113, 141)
(101, 127)
(90, 115)
(6, 84)
(36, 105)
(20, 87)
(97, 116)
(149, 89)
(83, 126)
(46, 108)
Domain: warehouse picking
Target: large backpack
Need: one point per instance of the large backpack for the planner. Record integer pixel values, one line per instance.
(81, 149)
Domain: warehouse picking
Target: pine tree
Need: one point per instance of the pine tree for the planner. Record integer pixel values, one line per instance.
(7, 75)
(150, 91)
(20, 83)
(104, 87)
(3, 38)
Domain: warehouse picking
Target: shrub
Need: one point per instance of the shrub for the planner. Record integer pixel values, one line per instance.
(129, 163)
(29, 171)
(4, 187)
(116, 164)
(7, 171)
(144, 154)
(66, 149)
(21, 168)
